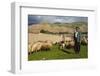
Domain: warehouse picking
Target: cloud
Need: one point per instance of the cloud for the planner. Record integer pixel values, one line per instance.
(33, 19)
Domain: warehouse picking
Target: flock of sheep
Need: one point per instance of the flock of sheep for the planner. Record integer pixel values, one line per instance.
(47, 45)
(70, 43)
(39, 46)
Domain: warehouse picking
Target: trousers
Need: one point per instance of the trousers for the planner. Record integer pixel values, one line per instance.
(77, 47)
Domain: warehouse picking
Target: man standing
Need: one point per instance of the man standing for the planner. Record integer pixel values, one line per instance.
(77, 39)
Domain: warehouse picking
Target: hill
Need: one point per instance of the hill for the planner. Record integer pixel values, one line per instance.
(57, 27)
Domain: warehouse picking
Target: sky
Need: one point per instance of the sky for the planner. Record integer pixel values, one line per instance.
(35, 19)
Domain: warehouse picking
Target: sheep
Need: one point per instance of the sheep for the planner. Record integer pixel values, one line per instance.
(36, 47)
(29, 48)
(55, 43)
(46, 45)
(68, 44)
(71, 44)
(68, 39)
(39, 46)
(63, 46)
(84, 41)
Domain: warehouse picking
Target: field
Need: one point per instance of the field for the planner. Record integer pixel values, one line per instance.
(55, 53)
(42, 37)
(53, 33)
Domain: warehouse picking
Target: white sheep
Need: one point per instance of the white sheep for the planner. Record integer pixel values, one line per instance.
(36, 47)
(84, 41)
(68, 39)
(29, 48)
(71, 44)
(46, 45)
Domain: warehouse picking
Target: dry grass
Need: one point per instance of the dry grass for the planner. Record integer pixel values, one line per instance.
(55, 28)
(32, 38)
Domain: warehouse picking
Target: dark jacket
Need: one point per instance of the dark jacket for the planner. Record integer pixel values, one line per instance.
(78, 38)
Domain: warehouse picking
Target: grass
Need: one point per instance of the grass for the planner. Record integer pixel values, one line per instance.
(56, 53)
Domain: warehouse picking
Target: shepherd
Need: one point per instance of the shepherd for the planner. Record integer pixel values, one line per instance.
(77, 39)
